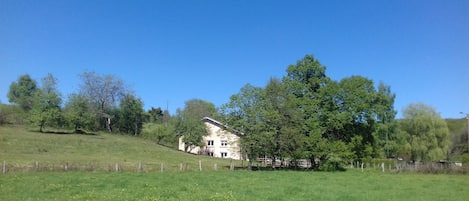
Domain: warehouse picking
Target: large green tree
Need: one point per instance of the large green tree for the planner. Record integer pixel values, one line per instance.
(78, 111)
(131, 115)
(23, 91)
(46, 106)
(189, 123)
(104, 92)
(318, 98)
(308, 115)
(283, 118)
(243, 113)
(427, 133)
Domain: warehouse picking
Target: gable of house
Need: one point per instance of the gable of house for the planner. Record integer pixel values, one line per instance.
(220, 141)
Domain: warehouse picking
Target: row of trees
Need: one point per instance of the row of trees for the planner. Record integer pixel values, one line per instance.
(102, 103)
(307, 115)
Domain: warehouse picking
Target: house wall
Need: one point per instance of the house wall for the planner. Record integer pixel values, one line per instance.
(216, 136)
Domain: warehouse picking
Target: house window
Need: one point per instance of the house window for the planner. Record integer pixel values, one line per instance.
(210, 143)
(210, 153)
(224, 143)
(224, 154)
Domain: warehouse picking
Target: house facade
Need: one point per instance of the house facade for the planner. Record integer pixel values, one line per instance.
(220, 141)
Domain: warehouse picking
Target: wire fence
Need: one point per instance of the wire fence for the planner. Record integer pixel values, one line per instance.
(38, 166)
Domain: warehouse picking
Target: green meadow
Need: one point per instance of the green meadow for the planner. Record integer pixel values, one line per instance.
(21, 148)
(232, 185)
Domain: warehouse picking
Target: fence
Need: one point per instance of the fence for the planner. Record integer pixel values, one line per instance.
(114, 167)
(395, 166)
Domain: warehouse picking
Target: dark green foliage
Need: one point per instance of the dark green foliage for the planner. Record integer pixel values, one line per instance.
(11, 114)
(23, 92)
(131, 115)
(309, 116)
(458, 135)
(46, 106)
(104, 92)
(160, 133)
(189, 124)
(243, 113)
(155, 115)
(78, 111)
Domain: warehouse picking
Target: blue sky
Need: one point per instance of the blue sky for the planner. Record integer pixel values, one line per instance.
(171, 51)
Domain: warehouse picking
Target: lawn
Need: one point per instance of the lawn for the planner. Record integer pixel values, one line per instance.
(232, 185)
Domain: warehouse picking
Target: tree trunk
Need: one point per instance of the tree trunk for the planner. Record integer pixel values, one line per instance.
(108, 124)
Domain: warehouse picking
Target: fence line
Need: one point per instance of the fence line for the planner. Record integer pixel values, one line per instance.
(139, 166)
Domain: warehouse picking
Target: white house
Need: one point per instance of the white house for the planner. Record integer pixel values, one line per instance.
(220, 141)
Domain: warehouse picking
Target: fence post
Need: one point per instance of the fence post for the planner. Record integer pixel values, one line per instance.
(180, 166)
(4, 169)
(215, 167)
(382, 166)
(161, 168)
(139, 167)
(200, 165)
(362, 166)
(36, 166)
(117, 167)
(66, 166)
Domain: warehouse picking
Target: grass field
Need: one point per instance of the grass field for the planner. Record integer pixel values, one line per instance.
(232, 185)
(20, 148)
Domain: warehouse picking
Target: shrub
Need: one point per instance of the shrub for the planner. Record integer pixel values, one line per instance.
(11, 114)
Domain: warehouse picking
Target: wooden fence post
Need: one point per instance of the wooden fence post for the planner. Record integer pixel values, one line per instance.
(200, 165)
(180, 166)
(382, 166)
(4, 169)
(36, 166)
(215, 167)
(162, 167)
(117, 167)
(362, 166)
(139, 167)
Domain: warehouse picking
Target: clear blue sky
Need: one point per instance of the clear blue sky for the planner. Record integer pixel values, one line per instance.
(173, 51)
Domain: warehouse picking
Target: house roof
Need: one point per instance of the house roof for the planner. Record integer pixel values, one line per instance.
(221, 125)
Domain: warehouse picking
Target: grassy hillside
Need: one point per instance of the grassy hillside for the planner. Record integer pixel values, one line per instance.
(21, 149)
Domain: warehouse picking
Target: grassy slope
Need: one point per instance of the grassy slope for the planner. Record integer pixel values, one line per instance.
(20, 147)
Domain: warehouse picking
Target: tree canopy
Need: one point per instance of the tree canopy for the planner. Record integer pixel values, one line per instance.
(427, 133)
(22, 92)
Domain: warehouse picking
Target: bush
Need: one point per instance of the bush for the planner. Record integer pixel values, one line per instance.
(333, 164)
(11, 114)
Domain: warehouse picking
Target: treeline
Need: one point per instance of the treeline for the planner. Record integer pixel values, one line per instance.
(102, 103)
(307, 115)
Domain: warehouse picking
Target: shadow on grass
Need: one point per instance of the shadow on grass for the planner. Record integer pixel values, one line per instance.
(79, 131)
(291, 168)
